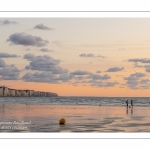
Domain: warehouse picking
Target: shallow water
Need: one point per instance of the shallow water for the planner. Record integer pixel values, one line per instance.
(91, 101)
(79, 118)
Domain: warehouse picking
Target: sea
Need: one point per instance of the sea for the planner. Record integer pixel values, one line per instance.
(82, 114)
(92, 101)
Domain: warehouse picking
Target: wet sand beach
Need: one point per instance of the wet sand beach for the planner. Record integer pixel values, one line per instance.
(79, 118)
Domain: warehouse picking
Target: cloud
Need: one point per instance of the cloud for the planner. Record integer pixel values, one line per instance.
(141, 60)
(91, 55)
(98, 71)
(110, 84)
(59, 70)
(7, 22)
(142, 87)
(135, 76)
(86, 55)
(48, 70)
(147, 68)
(136, 81)
(88, 77)
(99, 77)
(114, 69)
(136, 65)
(2, 63)
(44, 63)
(104, 84)
(78, 78)
(47, 77)
(9, 72)
(143, 81)
(105, 77)
(65, 77)
(6, 55)
(42, 27)
(100, 56)
(45, 50)
(95, 80)
(29, 57)
(80, 72)
(26, 40)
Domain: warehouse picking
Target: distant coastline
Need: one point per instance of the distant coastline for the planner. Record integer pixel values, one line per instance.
(8, 92)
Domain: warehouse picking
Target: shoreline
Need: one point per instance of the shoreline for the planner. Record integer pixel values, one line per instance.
(51, 104)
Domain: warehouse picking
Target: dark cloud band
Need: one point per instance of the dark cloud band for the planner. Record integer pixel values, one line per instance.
(6, 55)
(91, 55)
(142, 60)
(115, 69)
(42, 27)
(7, 22)
(26, 40)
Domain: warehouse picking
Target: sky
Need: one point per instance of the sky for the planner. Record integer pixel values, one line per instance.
(76, 56)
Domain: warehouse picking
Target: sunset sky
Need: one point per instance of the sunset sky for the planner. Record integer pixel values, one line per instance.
(76, 56)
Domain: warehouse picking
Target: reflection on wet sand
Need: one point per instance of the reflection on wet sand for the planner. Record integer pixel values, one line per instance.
(79, 118)
(131, 108)
(126, 110)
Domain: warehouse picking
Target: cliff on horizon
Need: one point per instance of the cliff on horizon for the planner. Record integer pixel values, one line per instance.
(8, 92)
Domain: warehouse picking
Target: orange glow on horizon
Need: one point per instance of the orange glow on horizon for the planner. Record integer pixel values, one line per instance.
(69, 90)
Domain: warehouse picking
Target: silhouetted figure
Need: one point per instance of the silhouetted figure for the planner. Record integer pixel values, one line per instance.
(127, 103)
(131, 102)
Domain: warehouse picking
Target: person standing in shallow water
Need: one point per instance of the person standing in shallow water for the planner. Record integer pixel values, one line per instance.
(131, 102)
(127, 103)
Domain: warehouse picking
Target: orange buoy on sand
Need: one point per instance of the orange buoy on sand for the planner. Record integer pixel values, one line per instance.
(62, 121)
